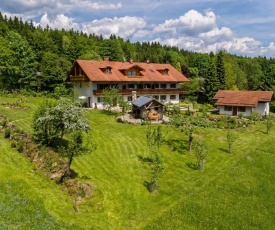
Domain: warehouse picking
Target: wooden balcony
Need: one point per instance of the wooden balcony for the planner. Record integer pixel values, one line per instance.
(78, 78)
(144, 91)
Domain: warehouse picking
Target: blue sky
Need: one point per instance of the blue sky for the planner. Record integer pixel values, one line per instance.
(242, 27)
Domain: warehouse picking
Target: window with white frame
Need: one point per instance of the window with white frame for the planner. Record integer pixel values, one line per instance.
(147, 86)
(172, 97)
(129, 98)
(173, 85)
(108, 70)
(227, 108)
(99, 99)
(163, 97)
(132, 73)
(165, 72)
(242, 109)
(131, 86)
(163, 86)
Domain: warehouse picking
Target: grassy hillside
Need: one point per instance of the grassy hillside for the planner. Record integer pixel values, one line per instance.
(234, 192)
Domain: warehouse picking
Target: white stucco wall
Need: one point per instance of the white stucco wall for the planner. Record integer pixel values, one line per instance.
(262, 108)
(223, 112)
(86, 89)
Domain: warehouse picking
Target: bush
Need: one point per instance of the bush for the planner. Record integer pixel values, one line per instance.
(240, 115)
(232, 119)
(119, 120)
(13, 144)
(7, 132)
(221, 125)
(144, 123)
(20, 146)
(3, 122)
(254, 116)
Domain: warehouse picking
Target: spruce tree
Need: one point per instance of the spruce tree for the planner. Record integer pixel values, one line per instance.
(220, 69)
(211, 81)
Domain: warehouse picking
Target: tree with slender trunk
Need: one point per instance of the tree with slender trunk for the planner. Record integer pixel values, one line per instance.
(110, 98)
(201, 153)
(154, 140)
(230, 137)
(74, 147)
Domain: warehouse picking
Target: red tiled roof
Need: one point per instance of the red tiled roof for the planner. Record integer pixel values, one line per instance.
(242, 98)
(148, 71)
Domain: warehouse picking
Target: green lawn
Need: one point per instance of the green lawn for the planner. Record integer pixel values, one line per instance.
(234, 192)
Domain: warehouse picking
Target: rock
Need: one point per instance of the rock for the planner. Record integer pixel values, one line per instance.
(87, 189)
(55, 176)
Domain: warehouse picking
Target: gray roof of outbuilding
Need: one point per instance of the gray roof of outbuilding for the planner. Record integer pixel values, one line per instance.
(143, 100)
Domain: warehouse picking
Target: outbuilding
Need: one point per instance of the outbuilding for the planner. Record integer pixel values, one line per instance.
(148, 108)
(234, 102)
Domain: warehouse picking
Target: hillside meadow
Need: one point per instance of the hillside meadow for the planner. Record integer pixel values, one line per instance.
(235, 191)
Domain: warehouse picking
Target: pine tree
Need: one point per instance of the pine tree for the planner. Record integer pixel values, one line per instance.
(211, 81)
(220, 69)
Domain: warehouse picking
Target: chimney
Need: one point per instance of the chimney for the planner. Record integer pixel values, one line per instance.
(134, 96)
(106, 59)
(131, 61)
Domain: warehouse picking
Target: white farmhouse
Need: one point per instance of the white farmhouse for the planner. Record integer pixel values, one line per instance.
(160, 81)
(234, 102)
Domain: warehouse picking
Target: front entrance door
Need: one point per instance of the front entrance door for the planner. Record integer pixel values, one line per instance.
(235, 111)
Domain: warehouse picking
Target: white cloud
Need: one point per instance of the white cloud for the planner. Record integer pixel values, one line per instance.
(124, 27)
(216, 35)
(28, 9)
(61, 21)
(190, 24)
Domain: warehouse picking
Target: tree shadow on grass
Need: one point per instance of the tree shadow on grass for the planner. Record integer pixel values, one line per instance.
(192, 165)
(148, 160)
(179, 146)
(147, 185)
(223, 150)
(110, 113)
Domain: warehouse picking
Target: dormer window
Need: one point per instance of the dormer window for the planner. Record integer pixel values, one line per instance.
(108, 70)
(165, 72)
(132, 73)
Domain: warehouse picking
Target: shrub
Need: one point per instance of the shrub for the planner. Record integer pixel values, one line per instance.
(119, 120)
(3, 122)
(7, 132)
(232, 119)
(20, 146)
(254, 116)
(240, 115)
(13, 144)
(144, 123)
(221, 125)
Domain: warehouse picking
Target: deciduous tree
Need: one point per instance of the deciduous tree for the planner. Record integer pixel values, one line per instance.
(110, 98)
(54, 119)
(154, 140)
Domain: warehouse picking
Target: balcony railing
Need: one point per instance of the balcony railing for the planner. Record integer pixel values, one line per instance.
(143, 91)
(78, 78)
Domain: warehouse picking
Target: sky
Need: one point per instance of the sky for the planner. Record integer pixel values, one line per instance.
(242, 27)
